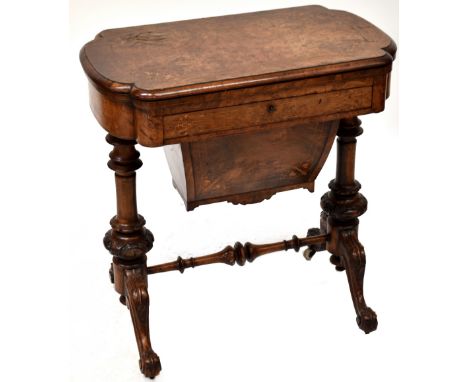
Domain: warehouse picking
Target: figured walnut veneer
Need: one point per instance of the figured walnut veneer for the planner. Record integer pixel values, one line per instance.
(205, 55)
(151, 83)
(246, 106)
(248, 168)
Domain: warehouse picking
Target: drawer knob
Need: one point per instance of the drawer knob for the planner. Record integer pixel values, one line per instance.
(271, 108)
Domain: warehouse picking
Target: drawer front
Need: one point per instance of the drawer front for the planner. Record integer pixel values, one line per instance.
(266, 112)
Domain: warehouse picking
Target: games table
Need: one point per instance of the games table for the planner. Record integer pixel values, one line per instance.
(245, 106)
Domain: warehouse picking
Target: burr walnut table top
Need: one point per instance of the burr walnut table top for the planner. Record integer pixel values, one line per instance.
(200, 56)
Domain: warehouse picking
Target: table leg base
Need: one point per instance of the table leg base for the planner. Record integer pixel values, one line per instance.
(348, 255)
(129, 241)
(352, 256)
(131, 282)
(137, 298)
(342, 206)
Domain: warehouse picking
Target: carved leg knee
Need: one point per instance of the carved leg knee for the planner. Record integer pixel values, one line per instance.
(354, 259)
(137, 299)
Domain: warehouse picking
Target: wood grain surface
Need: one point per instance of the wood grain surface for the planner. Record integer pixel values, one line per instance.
(246, 105)
(248, 168)
(205, 55)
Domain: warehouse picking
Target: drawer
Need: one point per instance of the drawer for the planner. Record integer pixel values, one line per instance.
(266, 112)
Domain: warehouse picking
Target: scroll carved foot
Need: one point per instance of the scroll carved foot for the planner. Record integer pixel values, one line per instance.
(150, 365)
(352, 256)
(367, 321)
(137, 300)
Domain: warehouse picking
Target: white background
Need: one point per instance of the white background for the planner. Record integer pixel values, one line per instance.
(279, 318)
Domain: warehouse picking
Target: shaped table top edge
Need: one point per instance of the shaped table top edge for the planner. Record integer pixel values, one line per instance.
(108, 85)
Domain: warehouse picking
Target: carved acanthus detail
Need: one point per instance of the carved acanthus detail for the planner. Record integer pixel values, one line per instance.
(343, 208)
(133, 246)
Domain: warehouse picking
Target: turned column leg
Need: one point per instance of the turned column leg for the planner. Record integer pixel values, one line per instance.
(342, 206)
(129, 241)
